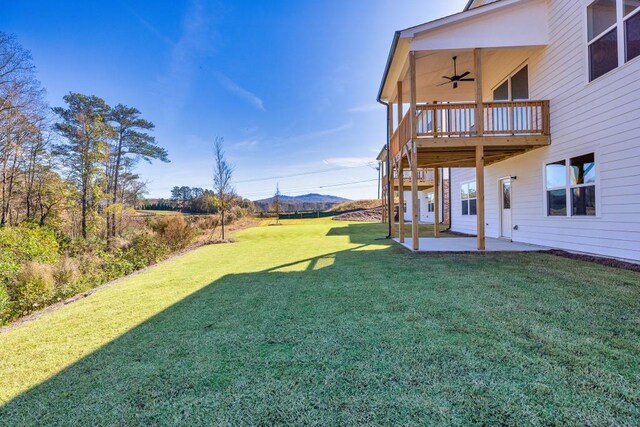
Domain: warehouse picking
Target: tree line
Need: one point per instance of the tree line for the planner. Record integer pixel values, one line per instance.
(69, 188)
(70, 167)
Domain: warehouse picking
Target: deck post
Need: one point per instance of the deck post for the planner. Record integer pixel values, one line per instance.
(400, 104)
(480, 196)
(390, 201)
(415, 203)
(479, 113)
(436, 202)
(479, 122)
(401, 198)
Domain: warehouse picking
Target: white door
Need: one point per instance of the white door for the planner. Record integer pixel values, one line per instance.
(505, 208)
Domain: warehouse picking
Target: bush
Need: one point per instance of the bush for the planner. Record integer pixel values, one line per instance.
(66, 274)
(174, 230)
(5, 305)
(145, 249)
(19, 245)
(32, 288)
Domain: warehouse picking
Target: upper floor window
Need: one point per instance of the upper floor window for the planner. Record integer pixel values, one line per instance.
(605, 18)
(515, 87)
(632, 28)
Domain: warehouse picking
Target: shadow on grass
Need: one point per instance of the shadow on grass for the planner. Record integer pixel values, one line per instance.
(362, 233)
(243, 349)
(344, 339)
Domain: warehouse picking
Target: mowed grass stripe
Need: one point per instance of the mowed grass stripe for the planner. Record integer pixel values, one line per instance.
(317, 322)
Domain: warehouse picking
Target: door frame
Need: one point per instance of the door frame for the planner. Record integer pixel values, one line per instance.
(500, 203)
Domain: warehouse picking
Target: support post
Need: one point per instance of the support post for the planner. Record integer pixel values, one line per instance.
(400, 103)
(436, 202)
(391, 199)
(479, 112)
(401, 198)
(480, 196)
(415, 203)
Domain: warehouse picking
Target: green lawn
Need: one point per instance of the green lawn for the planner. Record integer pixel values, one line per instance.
(317, 322)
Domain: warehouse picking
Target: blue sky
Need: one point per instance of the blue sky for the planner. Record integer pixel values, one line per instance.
(290, 85)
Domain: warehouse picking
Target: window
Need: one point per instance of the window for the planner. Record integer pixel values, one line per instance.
(603, 42)
(468, 198)
(506, 195)
(515, 87)
(571, 183)
(501, 93)
(556, 184)
(430, 202)
(603, 37)
(632, 29)
(583, 185)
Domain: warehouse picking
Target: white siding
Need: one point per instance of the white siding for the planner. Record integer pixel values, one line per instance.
(602, 117)
(425, 216)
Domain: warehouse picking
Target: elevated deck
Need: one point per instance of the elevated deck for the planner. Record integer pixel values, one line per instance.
(446, 135)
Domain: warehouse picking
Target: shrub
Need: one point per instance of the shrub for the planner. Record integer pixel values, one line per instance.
(66, 274)
(145, 249)
(174, 230)
(22, 244)
(32, 288)
(5, 305)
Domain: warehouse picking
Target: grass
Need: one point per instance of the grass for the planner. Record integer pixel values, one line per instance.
(317, 322)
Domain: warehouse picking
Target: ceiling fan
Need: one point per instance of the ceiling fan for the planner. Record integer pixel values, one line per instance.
(456, 78)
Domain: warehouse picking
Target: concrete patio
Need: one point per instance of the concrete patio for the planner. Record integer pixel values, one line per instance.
(469, 244)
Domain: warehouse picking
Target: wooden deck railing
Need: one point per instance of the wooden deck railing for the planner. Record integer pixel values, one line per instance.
(423, 175)
(457, 120)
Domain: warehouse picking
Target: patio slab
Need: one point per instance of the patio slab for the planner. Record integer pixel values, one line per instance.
(469, 244)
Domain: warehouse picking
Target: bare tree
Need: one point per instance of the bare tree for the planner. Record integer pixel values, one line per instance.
(18, 84)
(276, 204)
(222, 187)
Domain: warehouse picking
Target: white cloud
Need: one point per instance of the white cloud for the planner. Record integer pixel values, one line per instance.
(320, 133)
(349, 162)
(365, 108)
(195, 41)
(245, 144)
(232, 87)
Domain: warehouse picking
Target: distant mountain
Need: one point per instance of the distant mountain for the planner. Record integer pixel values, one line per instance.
(305, 202)
(311, 198)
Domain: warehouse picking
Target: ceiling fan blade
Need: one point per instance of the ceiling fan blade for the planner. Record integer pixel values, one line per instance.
(463, 75)
(467, 80)
(445, 83)
(448, 78)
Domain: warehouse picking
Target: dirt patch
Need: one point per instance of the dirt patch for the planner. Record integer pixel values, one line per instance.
(609, 262)
(356, 204)
(366, 215)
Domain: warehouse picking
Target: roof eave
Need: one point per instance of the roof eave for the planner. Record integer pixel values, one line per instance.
(392, 52)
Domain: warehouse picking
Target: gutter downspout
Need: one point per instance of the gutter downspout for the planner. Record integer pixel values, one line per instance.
(390, 207)
(392, 51)
(449, 196)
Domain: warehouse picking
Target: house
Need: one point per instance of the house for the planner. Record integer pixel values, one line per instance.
(533, 107)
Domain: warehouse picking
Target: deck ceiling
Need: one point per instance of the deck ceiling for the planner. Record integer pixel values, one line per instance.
(432, 66)
(465, 157)
(508, 24)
